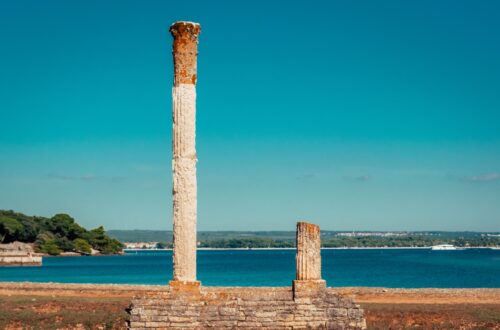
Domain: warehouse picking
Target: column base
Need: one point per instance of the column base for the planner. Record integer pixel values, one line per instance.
(185, 288)
(307, 288)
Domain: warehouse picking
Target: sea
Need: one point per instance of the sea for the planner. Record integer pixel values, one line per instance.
(393, 268)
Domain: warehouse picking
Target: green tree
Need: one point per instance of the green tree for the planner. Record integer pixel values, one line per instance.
(65, 226)
(31, 229)
(64, 243)
(161, 245)
(60, 230)
(9, 229)
(82, 246)
(50, 247)
(100, 241)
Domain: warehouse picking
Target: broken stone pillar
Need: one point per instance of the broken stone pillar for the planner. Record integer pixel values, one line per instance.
(308, 260)
(185, 51)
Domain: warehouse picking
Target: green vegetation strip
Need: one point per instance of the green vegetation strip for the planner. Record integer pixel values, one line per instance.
(55, 235)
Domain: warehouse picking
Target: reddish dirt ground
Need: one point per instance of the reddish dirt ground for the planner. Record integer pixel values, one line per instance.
(76, 306)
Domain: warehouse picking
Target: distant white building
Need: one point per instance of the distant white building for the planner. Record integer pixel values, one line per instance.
(140, 245)
(377, 234)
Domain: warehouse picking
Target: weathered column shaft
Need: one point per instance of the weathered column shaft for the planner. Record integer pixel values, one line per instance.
(184, 149)
(308, 258)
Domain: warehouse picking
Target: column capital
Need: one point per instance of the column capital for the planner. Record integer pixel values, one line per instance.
(184, 29)
(185, 51)
(308, 229)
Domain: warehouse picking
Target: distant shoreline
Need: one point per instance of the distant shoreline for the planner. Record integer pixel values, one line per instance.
(323, 248)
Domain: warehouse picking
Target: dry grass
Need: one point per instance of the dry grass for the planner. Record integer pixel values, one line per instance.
(432, 316)
(24, 312)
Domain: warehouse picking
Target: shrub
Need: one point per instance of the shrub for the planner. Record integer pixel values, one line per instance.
(50, 247)
(82, 246)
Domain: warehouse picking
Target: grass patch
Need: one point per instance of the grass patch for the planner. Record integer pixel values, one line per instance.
(431, 316)
(487, 315)
(43, 312)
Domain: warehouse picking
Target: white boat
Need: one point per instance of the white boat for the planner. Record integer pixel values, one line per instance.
(442, 247)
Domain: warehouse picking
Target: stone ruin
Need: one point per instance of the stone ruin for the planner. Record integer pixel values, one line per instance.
(19, 254)
(308, 304)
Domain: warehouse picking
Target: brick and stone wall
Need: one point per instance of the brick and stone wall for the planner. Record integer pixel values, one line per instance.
(251, 308)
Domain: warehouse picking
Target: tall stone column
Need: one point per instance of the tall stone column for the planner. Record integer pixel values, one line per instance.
(185, 51)
(308, 261)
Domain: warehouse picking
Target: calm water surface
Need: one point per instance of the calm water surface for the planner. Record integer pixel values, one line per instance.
(408, 268)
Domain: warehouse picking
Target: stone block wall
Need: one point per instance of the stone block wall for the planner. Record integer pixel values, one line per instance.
(245, 308)
(19, 259)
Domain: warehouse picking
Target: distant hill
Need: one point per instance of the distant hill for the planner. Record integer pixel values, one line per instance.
(166, 235)
(254, 239)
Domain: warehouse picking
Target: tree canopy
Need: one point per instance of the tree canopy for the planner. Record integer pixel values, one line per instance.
(55, 235)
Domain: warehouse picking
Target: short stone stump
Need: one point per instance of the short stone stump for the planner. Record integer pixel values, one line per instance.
(245, 307)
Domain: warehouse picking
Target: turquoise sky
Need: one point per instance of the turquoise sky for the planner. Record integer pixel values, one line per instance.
(355, 115)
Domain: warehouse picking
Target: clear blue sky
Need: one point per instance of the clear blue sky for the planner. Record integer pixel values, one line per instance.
(350, 114)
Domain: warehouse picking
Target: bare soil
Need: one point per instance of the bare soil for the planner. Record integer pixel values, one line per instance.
(47, 312)
(78, 306)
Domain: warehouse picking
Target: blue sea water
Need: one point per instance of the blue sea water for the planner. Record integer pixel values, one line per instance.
(405, 268)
